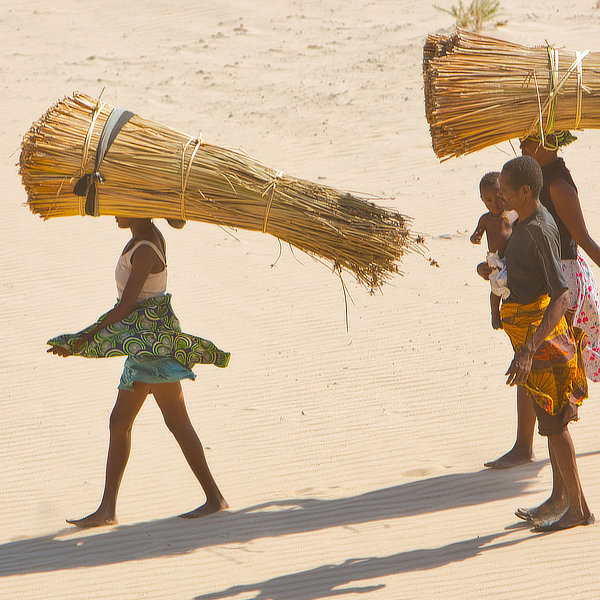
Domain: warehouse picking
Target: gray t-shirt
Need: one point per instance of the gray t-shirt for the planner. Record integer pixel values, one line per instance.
(533, 258)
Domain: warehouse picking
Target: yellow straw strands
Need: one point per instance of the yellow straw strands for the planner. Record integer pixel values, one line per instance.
(153, 171)
(481, 91)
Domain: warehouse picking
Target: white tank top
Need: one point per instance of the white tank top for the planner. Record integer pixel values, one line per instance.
(156, 283)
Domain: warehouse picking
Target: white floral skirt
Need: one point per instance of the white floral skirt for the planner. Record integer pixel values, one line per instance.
(584, 302)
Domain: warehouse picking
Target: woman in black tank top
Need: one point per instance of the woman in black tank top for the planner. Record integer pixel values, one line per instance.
(559, 195)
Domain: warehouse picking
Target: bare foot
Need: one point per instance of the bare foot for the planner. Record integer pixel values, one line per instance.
(513, 458)
(549, 511)
(96, 519)
(211, 506)
(572, 518)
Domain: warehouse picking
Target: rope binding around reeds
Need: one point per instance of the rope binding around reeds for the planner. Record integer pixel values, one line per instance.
(122, 164)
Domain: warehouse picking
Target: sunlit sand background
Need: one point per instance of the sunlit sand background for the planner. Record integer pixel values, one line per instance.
(352, 460)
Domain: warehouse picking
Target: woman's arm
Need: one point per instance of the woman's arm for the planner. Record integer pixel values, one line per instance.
(142, 262)
(568, 208)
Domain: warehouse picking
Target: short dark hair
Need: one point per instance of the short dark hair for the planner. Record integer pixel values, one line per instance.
(524, 170)
(490, 179)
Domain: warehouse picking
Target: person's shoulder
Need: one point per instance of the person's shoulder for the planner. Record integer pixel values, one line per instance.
(155, 237)
(143, 247)
(536, 220)
(542, 226)
(544, 217)
(152, 243)
(484, 219)
(560, 185)
(557, 173)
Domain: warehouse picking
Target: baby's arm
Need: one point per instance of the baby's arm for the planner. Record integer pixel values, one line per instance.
(478, 233)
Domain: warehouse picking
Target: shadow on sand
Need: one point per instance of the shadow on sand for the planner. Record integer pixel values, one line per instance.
(71, 548)
(325, 581)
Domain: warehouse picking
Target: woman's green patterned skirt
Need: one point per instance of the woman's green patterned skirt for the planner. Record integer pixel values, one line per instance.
(151, 330)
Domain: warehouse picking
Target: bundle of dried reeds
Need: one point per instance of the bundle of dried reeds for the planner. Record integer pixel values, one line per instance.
(153, 171)
(480, 91)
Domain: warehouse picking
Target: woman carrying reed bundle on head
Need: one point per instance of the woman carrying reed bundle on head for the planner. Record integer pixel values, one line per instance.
(143, 327)
(559, 195)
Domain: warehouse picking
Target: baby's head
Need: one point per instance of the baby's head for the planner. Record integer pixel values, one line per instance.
(490, 192)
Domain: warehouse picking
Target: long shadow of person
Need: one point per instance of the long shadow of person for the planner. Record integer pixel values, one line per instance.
(323, 582)
(72, 548)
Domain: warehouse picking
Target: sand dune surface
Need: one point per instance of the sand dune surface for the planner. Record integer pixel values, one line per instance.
(352, 460)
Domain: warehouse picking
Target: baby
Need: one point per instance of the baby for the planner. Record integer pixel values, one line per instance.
(497, 226)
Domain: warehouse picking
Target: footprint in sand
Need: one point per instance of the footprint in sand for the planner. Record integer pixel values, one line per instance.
(425, 471)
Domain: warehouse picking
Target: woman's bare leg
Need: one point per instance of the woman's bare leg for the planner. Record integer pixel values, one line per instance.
(522, 451)
(169, 397)
(123, 415)
(556, 505)
(565, 462)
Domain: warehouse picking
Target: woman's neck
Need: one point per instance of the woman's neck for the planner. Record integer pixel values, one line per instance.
(546, 157)
(139, 228)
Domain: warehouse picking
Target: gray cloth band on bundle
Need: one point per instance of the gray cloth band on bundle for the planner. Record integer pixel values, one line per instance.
(88, 184)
